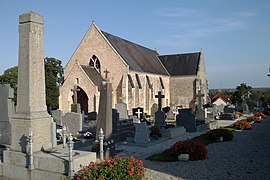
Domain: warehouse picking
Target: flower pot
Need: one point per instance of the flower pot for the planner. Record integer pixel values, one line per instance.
(183, 157)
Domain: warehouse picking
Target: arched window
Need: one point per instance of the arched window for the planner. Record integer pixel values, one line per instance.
(91, 63)
(94, 62)
(97, 65)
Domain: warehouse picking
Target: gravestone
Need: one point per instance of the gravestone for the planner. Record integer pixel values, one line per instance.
(6, 111)
(121, 108)
(170, 118)
(141, 134)
(57, 116)
(200, 114)
(104, 119)
(220, 108)
(187, 119)
(75, 107)
(73, 121)
(135, 119)
(138, 112)
(154, 109)
(115, 119)
(160, 115)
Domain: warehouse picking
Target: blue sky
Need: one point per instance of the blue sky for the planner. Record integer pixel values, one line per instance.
(234, 34)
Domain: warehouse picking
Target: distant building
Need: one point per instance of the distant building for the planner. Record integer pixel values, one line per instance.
(136, 73)
(220, 99)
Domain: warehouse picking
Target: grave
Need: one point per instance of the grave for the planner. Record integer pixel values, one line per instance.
(6, 111)
(31, 154)
(57, 116)
(75, 107)
(138, 112)
(200, 114)
(170, 118)
(73, 121)
(160, 115)
(115, 119)
(121, 107)
(187, 119)
(141, 134)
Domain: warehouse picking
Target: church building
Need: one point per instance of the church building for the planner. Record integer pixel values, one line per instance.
(137, 74)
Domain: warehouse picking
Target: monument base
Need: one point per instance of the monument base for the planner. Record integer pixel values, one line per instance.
(173, 132)
(40, 127)
(49, 165)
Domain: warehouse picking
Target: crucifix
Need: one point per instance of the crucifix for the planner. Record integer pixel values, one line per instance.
(200, 95)
(139, 112)
(159, 96)
(75, 90)
(106, 73)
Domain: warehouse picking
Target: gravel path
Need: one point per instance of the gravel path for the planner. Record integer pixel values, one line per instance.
(247, 156)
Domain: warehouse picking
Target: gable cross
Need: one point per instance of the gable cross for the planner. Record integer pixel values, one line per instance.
(159, 96)
(75, 90)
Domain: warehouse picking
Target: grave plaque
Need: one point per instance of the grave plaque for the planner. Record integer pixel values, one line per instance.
(187, 119)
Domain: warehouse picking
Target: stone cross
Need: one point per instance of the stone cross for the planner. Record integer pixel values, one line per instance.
(75, 90)
(106, 73)
(200, 95)
(139, 114)
(159, 96)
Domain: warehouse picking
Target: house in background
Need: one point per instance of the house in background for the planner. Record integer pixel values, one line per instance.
(220, 99)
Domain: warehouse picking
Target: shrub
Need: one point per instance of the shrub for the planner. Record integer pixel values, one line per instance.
(258, 114)
(195, 149)
(254, 118)
(242, 125)
(215, 134)
(117, 168)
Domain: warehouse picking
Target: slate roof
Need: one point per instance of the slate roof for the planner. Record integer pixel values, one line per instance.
(139, 58)
(181, 64)
(93, 74)
(220, 95)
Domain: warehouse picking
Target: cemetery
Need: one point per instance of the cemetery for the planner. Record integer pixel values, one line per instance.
(116, 141)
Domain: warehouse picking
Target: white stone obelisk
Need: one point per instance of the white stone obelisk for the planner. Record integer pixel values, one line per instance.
(31, 113)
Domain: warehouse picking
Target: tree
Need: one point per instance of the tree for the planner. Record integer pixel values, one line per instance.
(241, 91)
(53, 79)
(10, 76)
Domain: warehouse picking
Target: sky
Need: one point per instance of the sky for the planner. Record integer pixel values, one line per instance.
(233, 34)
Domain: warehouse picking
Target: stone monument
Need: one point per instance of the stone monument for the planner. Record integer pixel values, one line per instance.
(31, 112)
(160, 115)
(104, 119)
(75, 107)
(200, 114)
(6, 111)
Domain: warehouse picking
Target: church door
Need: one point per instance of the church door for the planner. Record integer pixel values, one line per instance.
(83, 100)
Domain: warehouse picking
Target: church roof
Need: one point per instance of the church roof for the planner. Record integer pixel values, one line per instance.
(138, 58)
(93, 74)
(181, 64)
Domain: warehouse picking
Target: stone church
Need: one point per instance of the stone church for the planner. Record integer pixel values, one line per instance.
(137, 74)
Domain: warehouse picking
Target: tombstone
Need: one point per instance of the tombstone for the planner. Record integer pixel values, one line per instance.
(121, 107)
(229, 109)
(115, 119)
(135, 119)
(187, 119)
(170, 118)
(160, 115)
(6, 111)
(31, 111)
(244, 103)
(200, 114)
(75, 107)
(57, 116)
(259, 104)
(141, 134)
(73, 121)
(154, 109)
(138, 112)
(104, 119)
